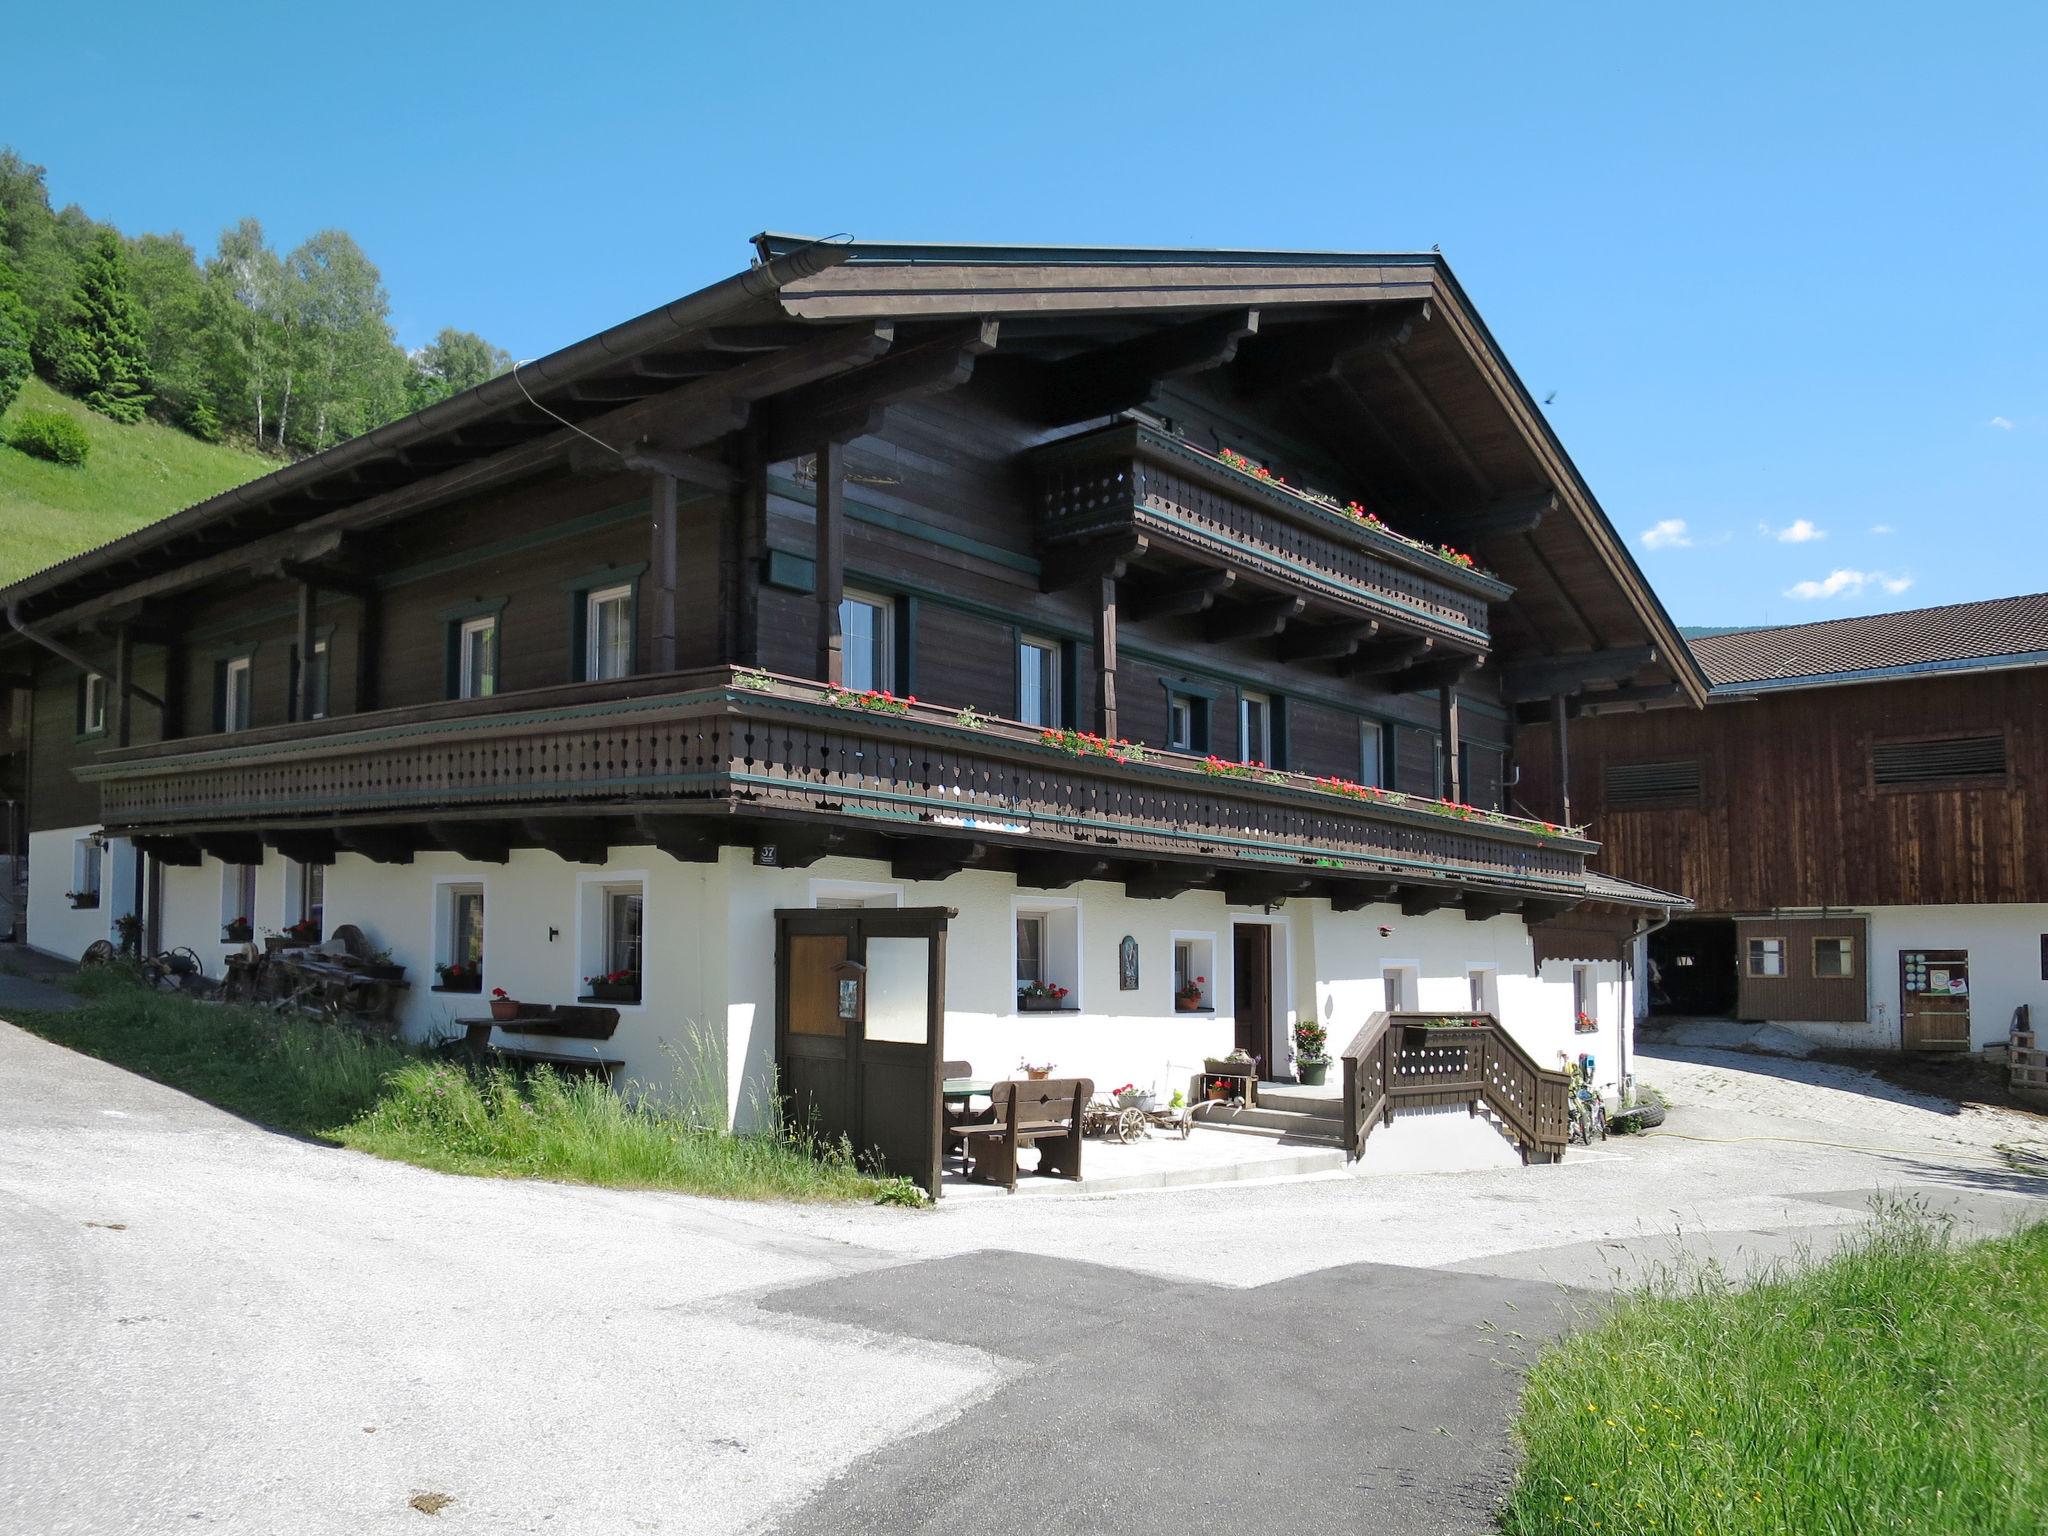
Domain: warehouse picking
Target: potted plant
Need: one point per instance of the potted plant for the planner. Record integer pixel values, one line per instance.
(1041, 997)
(504, 1006)
(1131, 1096)
(82, 899)
(1586, 1024)
(1217, 1089)
(1188, 998)
(129, 927)
(1311, 1054)
(1037, 1074)
(238, 930)
(459, 976)
(614, 987)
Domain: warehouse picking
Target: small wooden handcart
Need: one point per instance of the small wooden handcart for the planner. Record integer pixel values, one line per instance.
(1126, 1123)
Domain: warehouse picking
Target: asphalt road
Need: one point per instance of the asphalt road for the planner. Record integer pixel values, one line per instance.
(205, 1326)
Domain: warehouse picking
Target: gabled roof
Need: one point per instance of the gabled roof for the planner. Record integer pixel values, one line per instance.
(2001, 632)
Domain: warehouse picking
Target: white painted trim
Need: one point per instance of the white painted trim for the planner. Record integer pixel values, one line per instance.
(1280, 995)
(854, 890)
(442, 918)
(585, 906)
(1022, 905)
(1174, 936)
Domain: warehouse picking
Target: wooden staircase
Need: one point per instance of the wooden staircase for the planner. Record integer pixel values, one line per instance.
(1436, 1060)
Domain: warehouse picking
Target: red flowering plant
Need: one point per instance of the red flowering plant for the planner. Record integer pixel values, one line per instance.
(500, 993)
(459, 975)
(304, 928)
(238, 928)
(1088, 744)
(1189, 997)
(1349, 790)
(878, 701)
(1051, 990)
(1245, 466)
(1445, 552)
(1586, 1024)
(1216, 767)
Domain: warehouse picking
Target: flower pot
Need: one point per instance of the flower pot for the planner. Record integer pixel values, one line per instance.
(1312, 1073)
(1218, 1092)
(460, 984)
(1038, 1074)
(1040, 1004)
(614, 991)
(504, 1008)
(237, 933)
(1134, 1101)
(81, 903)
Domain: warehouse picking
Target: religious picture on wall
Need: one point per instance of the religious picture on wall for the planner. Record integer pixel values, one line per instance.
(849, 997)
(1127, 965)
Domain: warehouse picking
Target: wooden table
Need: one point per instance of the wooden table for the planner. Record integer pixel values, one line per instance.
(958, 1090)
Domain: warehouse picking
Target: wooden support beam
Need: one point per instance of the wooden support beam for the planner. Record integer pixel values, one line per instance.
(663, 528)
(1614, 701)
(830, 556)
(1448, 742)
(1253, 621)
(1074, 565)
(310, 845)
(1479, 906)
(795, 845)
(1262, 889)
(1512, 516)
(1561, 759)
(124, 686)
(1105, 660)
(184, 852)
(1421, 900)
(936, 858)
(1124, 374)
(1357, 895)
(572, 839)
(1193, 591)
(926, 369)
(481, 842)
(1569, 674)
(1435, 671)
(1393, 654)
(1445, 427)
(1162, 882)
(1326, 642)
(231, 847)
(1057, 871)
(693, 839)
(1306, 354)
(302, 681)
(380, 845)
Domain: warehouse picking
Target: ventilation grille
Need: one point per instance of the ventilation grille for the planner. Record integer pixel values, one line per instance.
(1633, 785)
(1938, 762)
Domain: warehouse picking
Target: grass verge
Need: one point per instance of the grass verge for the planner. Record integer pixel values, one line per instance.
(1899, 1387)
(336, 1085)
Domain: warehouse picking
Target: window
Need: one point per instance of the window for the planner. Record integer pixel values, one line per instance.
(1403, 983)
(1585, 998)
(1372, 754)
(1254, 728)
(237, 894)
(607, 633)
(476, 658)
(1904, 764)
(1030, 948)
(622, 912)
(465, 935)
(1634, 786)
(1834, 958)
(92, 710)
(868, 634)
(1048, 954)
(1766, 957)
(1194, 972)
(1483, 983)
(311, 896)
(1187, 722)
(1038, 682)
(235, 694)
(86, 855)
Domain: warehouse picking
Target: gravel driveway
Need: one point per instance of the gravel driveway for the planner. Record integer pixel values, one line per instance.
(208, 1326)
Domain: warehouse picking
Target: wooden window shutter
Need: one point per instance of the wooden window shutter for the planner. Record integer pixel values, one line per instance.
(1277, 728)
(1937, 762)
(1634, 786)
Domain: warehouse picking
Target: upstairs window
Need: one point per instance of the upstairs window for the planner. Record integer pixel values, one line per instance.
(1254, 728)
(1187, 722)
(1946, 760)
(1638, 786)
(92, 705)
(476, 658)
(607, 633)
(1372, 754)
(1766, 957)
(1038, 682)
(236, 694)
(867, 632)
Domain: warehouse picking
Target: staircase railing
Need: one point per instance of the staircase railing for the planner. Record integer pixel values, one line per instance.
(1432, 1060)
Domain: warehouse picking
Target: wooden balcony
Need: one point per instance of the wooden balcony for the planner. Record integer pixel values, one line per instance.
(1181, 515)
(691, 761)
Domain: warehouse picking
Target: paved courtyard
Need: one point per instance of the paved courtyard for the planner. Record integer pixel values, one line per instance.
(212, 1327)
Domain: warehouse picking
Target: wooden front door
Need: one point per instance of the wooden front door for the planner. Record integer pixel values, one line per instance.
(860, 1031)
(1252, 990)
(1934, 999)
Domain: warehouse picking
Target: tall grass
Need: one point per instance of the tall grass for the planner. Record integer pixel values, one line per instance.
(334, 1083)
(1901, 1386)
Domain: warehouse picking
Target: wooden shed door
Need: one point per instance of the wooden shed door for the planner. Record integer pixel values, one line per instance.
(1934, 999)
(860, 1030)
(1796, 969)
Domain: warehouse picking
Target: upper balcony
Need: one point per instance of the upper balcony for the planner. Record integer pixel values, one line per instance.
(694, 761)
(1200, 526)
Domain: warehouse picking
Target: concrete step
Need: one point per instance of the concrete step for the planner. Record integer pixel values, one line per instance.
(1268, 1121)
(1327, 1101)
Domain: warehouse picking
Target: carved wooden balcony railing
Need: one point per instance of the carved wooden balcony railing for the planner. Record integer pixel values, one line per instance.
(733, 741)
(1108, 489)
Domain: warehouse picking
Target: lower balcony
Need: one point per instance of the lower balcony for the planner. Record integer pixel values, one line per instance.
(694, 762)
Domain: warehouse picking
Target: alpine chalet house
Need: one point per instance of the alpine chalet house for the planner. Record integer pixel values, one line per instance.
(887, 655)
(1858, 815)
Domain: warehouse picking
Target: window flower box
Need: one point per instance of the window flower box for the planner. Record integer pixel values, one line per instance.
(81, 900)
(237, 931)
(1042, 997)
(458, 978)
(616, 987)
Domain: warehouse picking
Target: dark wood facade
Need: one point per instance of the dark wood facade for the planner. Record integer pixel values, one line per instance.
(989, 462)
(1789, 811)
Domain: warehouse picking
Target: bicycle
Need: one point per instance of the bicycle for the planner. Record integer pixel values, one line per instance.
(1588, 1116)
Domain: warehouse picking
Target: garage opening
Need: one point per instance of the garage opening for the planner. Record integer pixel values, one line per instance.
(1692, 969)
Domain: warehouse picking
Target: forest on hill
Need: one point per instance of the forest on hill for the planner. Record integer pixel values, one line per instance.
(283, 352)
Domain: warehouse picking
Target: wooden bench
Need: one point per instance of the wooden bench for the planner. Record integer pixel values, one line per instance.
(1042, 1113)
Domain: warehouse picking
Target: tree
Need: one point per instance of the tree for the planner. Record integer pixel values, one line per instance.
(101, 356)
(17, 326)
(452, 362)
(346, 373)
(171, 295)
(244, 326)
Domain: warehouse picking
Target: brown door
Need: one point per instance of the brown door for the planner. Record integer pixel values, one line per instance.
(1934, 999)
(860, 1031)
(1252, 990)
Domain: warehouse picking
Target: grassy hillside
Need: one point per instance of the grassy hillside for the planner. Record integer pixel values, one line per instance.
(134, 476)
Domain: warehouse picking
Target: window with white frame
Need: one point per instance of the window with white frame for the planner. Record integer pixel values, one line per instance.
(236, 693)
(459, 943)
(1254, 728)
(607, 633)
(1048, 956)
(1484, 985)
(1403, 984)
(307, 892)
(867, 632)
(623, 906)
(1194, 972)
(611, 936)
(237, 896)
(1372, 754)
(1585, 997)
(1187, 722)
(92, 712)
(1766, 957)
(86, 856)
(1038, 682)
(476, 658)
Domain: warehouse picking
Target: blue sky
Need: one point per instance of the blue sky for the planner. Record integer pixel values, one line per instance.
(1786, 267)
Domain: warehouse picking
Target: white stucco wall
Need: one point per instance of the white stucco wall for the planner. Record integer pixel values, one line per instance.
(54, 925)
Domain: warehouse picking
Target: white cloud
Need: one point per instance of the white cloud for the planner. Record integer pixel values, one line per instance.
(1669, 534)
(1881, 528)
(2001, 423)
(1800, 531)
(1842, 582)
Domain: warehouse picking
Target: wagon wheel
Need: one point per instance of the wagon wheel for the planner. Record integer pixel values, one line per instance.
(98, 952)
(1129, 1125)
(1186, 1124)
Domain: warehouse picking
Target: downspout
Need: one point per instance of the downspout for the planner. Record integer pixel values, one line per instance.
(1642, 931)
(64, 653)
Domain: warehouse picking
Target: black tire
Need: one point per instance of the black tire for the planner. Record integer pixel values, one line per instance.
(99, 952)
(1643, 1117)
